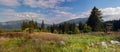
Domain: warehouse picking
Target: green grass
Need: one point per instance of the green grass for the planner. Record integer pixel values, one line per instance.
(84, 41)
(71, 43)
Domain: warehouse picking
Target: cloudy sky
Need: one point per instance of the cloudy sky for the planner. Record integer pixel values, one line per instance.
(56, 11)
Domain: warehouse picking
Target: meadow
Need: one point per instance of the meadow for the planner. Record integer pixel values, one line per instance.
(48, 42)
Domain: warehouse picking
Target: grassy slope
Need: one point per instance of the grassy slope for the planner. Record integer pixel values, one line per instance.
(47, 42)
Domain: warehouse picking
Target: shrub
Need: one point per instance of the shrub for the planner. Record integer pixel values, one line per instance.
(117, 38)
(1, 31)
(26, 30)
(77, 31)
(87, 28)
(36, 30)
(16, 30)
(55, 31)
(14, 35)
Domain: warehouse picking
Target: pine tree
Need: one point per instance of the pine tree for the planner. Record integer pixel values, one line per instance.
(35, 25)
(74, 29)
(81, 25)
(95, 21)
(31, 26)
(23, 26)
(66, 27)
(53, 28)
(42, 26)
(48, 28)
(61, 28)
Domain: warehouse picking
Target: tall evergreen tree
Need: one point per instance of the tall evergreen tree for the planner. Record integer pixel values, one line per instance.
(42, 26)
(24, 25)
(95, 21)
(48, 28)
(74, 28)
(66, 27)
(31, 25)
(81, 25)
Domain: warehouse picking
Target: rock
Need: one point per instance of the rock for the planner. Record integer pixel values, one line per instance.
(104, 44)
(62, 42)
(115, 42)
(91, 44)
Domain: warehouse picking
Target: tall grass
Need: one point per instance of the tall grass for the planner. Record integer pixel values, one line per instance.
(47, 42)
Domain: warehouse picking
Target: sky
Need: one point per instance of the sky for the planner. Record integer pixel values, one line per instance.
(56, 11)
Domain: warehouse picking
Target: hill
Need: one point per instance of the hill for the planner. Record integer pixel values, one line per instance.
(12, 25)
(83, 20)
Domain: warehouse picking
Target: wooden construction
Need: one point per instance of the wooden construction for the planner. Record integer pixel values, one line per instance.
(109, 27)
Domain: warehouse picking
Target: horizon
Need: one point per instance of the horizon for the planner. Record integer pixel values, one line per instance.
(56, 11)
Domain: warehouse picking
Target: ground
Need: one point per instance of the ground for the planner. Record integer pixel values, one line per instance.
(48, 42)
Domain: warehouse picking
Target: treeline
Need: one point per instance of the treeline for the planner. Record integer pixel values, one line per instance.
(64, 28)
(115, 25)
(94, 23)
(32, 26)
(69, 28)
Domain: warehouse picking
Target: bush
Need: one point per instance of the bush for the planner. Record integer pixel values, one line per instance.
(1, 31)
(26, 30)
(77, 31)
(36, 30)
(117, 38)
(16, 30)
(87, 28)
(55, 31)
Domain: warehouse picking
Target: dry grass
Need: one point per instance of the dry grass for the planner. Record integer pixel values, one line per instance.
(36, 35)
(14, 35)
(38, 42)
(48, 42)
(48, 36)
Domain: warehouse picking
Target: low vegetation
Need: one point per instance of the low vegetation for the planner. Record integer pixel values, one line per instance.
(48, 42)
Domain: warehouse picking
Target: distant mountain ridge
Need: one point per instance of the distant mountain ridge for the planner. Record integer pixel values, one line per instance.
(14, 25)
(83, 20)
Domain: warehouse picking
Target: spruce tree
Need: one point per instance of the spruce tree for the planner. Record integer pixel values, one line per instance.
(74, 28)
(81, 25)
(66, 27)
(95, 21)
(23, 26)
(31, 25)
(42, 26)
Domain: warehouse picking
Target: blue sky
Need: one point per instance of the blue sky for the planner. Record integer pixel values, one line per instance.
(56, 11)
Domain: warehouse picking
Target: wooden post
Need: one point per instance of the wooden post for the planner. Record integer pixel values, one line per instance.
(108, 27)
(30, 30)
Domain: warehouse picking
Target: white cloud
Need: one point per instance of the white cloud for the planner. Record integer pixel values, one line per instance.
(44, 3)
(28, 15)
(107, 13)
(57, 16)
(111, 13)
(60, 16)
(64, 14)
(12, 3)
(34, 3)
(11, 15)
